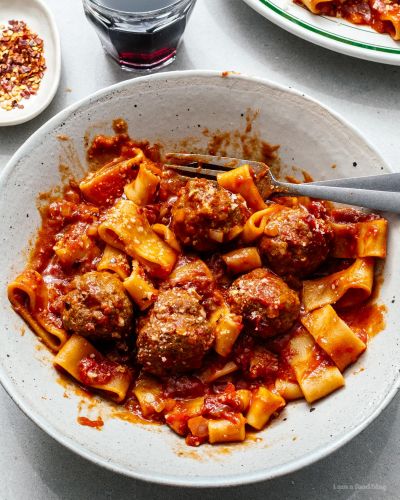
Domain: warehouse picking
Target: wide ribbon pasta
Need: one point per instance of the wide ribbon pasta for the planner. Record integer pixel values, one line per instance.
(348, 287)
(139, 287)
(142, 190)
(288, 389)
(315, 5)
(333, 335)
(389, 13)
(240, 181)
(101, 374)
(116, 261)
(227, 327)
(212, 373)
(167, 235)
(101, 187)
(256, 223)
(149, 393)
(28, 295)
(242, 260)
(126, 227)
(224, 431)
(383, 16)
(363, 239)
(263, 405)
(315, 372)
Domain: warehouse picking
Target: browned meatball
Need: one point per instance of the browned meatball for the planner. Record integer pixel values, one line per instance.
(98, 307)
(175, 335)
(267, 304)
(206, 215)
(295, 242)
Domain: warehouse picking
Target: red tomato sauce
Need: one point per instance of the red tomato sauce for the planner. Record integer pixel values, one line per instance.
(363, 12)
(259, 363)
(94, 371)
(365, 321)
(97, 424)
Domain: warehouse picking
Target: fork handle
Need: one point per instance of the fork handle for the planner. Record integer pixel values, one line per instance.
(376, 200)
(383, 182)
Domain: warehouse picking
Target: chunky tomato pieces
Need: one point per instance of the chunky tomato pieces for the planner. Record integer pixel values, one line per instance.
(224, 405)
(96, 371)
(183, 387)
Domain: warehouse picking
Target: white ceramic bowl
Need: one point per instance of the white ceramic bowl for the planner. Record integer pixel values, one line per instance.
(41, 21)
(169, 107)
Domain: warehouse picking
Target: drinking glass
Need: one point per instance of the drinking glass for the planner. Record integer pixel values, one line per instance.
(139, 34)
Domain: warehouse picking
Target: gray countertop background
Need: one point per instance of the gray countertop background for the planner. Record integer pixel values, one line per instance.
(222, 35)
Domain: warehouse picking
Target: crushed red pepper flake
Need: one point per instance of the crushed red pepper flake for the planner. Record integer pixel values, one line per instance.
(22, 64)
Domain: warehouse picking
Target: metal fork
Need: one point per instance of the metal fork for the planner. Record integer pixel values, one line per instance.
(377, 192)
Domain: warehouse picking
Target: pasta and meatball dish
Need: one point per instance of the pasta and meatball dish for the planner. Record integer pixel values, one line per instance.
(196, 303)
(381, 15)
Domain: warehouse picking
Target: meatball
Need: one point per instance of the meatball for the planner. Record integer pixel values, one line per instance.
(175, 335)
(267, 304)
(98, 307)
(206, 215)
(295, 242)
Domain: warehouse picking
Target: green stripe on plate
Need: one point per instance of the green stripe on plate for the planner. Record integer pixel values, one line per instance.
(327, 34)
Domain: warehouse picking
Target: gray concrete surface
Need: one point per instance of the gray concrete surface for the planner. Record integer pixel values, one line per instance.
(222, 35)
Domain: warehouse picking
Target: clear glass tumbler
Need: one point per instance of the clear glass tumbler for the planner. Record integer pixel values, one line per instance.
(139, 34)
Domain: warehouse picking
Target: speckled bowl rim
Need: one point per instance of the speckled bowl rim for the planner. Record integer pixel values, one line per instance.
(226, 480)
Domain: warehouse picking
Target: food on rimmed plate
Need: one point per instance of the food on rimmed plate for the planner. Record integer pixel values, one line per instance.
(381, 15)
(197, 304)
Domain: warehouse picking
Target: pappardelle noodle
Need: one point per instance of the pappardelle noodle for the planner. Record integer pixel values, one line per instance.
(196, 303)
(381, 15)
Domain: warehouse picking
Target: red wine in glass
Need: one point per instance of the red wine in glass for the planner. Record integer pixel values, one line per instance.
(139, 34)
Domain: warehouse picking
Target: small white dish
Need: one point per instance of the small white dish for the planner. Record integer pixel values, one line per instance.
(41, 21)
(333, 33)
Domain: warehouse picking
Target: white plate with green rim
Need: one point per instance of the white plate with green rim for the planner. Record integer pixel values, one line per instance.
(333, 33)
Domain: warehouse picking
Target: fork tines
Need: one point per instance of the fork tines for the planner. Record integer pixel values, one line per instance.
(196, 165)
(195, 170)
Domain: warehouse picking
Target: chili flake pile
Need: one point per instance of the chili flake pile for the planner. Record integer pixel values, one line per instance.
(22, 64)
